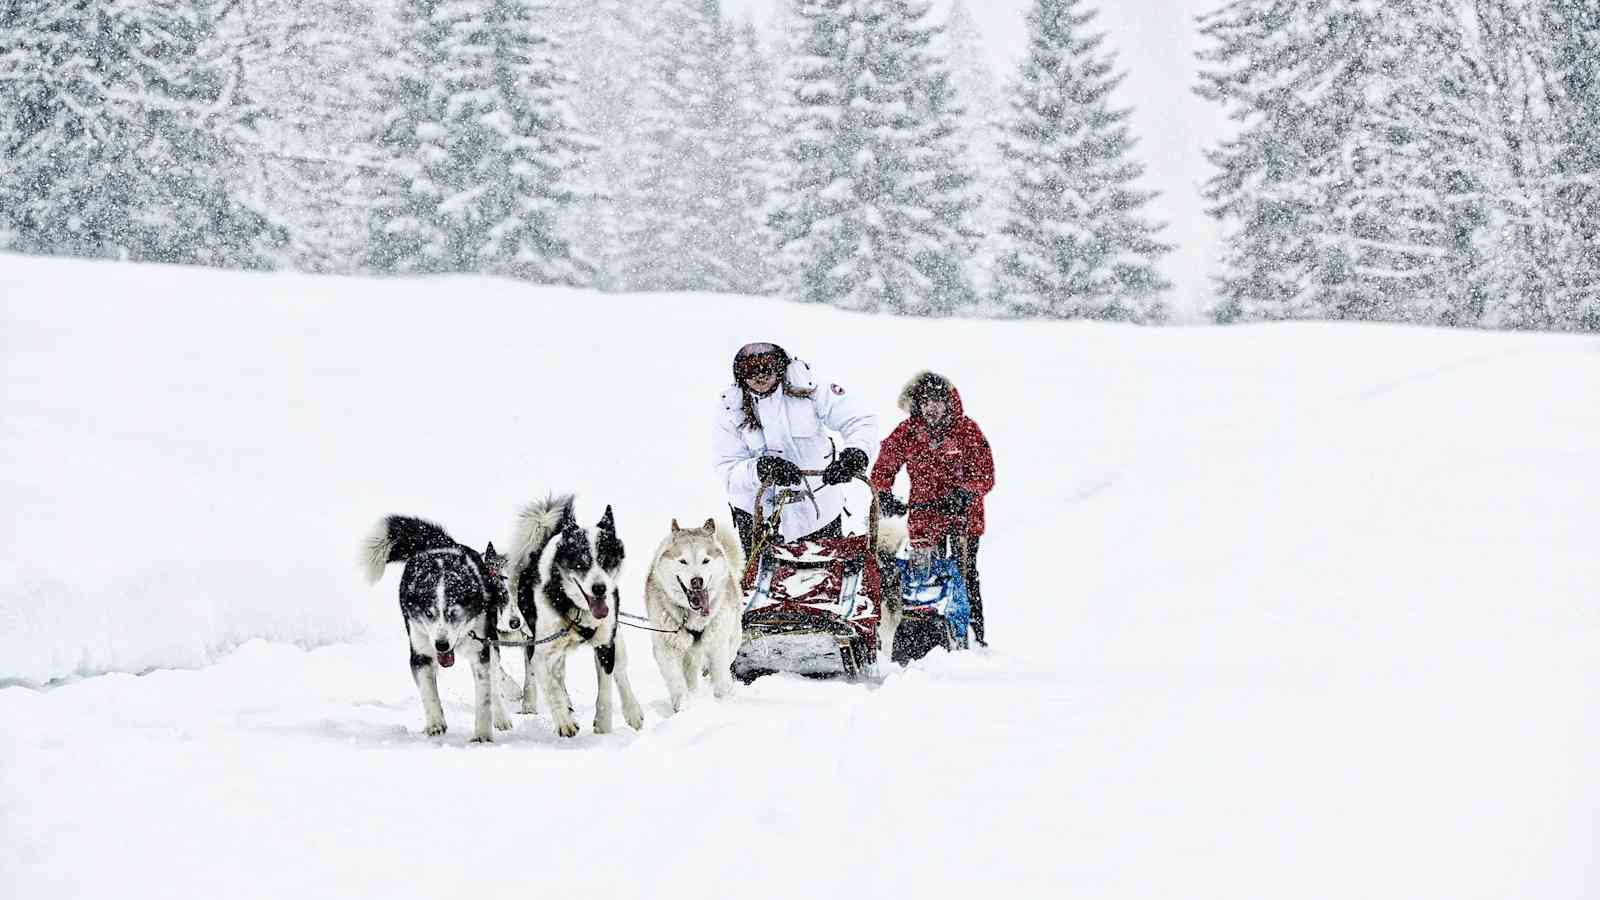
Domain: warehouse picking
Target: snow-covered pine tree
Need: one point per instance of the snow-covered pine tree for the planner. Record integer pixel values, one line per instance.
(1573, 45)
(1400, 161)
(603, 42)
(1450, 164)
(977, 89)
(1524, 237)
(408, 232)
(1266, 191)
(946, 187)
(516, 118)
(1409, 213)
(1075, 239)
(1323, 216)
(121, 127)
(703, 166)
(306, 61)
(753, 127)
(679, 190)
(870, 213)
(478, 145)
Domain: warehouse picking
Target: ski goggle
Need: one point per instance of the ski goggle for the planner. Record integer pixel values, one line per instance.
(757, 360)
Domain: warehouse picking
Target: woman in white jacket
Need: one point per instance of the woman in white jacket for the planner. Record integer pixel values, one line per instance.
(770, 426)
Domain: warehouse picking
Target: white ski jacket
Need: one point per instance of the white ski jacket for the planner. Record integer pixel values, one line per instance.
(793, 428)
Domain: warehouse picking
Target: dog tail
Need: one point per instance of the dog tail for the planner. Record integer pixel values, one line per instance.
(536, 522)
(892, 535)
(395, 538)
(731, 548)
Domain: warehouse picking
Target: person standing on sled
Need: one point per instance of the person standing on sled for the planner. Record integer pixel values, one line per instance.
(770, 425)
(951, 468)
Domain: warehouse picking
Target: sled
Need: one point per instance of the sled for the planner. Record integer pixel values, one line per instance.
(935, 608)
(812, 606)
(929, 579)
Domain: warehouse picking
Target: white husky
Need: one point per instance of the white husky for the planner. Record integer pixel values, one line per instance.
(892, 537)
(694, 603)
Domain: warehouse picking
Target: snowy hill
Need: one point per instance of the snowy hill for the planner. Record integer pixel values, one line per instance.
(1277, 611)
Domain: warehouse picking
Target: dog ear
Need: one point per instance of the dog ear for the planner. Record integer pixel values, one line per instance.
(675, 528)
(710, 527)
(607, 521)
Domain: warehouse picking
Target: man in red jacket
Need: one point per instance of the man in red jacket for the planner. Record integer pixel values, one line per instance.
(951, 468)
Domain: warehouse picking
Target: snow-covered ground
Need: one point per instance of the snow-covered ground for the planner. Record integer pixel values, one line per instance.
(1278, 611)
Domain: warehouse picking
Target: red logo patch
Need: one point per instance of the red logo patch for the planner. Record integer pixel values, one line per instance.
(837, 390)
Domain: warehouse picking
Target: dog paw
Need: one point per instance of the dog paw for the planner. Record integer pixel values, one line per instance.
(679, 702)
(435, 729)
(567, 729)
(502, 722)
(528, 708)
(634, 717)
(482, 739)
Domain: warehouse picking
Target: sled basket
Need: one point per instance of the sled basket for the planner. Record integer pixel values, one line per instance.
(812, 607)
(935, 590)
(935, 607)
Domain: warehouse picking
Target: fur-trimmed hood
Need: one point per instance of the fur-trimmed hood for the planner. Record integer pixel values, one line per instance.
(955, 456)
(928, 380)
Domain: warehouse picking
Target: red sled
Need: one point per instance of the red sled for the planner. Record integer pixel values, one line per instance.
(811, 607)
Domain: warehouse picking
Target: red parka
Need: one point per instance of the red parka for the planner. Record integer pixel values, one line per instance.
(957, 458)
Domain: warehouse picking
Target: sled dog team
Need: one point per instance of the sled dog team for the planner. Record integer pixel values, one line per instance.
(555, 593)
(557, 590)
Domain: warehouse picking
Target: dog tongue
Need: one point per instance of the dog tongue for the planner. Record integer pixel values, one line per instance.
(447, 659)
(598, 608)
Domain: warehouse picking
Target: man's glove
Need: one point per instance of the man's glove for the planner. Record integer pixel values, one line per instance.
(777, 470)
(954, 503)
(890, 505)
(852, 461)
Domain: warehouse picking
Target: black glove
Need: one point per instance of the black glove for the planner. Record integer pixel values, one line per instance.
(777, 470)
(890, 505)
(954, 503)
(852, 461)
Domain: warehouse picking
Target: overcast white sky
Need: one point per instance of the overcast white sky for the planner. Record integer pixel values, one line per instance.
(1155, 42)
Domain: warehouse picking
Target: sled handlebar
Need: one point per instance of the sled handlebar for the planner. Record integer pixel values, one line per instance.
(934, 507)
(785, 497)
(956, 532)
(956, 526)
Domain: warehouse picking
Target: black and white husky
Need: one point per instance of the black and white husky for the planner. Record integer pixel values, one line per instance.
(450, 597)
(564, 581)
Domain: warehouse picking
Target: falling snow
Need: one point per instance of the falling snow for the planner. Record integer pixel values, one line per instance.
(1424, 161)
